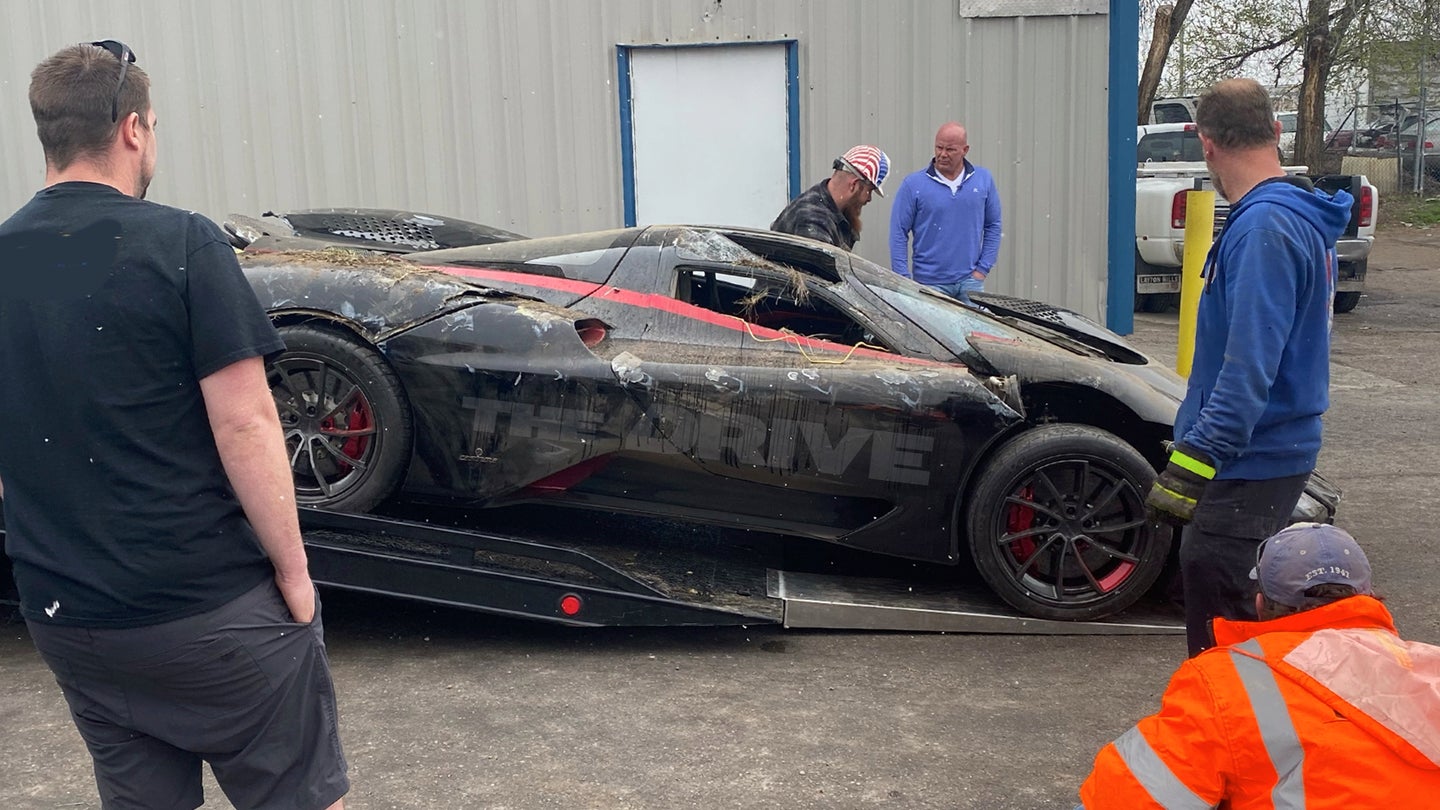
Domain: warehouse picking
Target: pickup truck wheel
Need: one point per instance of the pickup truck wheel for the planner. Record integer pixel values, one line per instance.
(1057, 527)
(1154, 302)
(345, 418)
(1346, 301)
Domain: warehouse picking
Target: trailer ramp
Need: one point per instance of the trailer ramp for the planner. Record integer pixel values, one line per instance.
(862, 603)
(522, 578)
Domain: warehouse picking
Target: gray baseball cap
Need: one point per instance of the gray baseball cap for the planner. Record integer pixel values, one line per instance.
(1304, 555)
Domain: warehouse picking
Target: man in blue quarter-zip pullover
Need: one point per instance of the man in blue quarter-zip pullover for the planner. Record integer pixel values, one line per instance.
(950, 213)
(1248, 432)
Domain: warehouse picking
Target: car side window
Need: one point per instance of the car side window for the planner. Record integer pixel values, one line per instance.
(1158, 149)
(786, 305)
(1170, 146)
(1171, 114)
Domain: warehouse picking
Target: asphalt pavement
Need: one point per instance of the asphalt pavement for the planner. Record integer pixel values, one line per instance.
(443, 708)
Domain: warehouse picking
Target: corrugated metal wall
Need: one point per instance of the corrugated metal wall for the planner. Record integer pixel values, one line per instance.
(506, 111)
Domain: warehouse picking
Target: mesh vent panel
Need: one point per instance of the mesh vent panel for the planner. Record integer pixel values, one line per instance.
(377, 229)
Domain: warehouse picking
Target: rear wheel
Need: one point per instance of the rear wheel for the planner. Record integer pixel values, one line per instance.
(1346, 301)
(345, 418)
(1057, 524)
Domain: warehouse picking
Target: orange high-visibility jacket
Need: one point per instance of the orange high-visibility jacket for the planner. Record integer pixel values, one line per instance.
(1322, 709)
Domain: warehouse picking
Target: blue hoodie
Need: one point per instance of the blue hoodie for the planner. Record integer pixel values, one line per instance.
(1260, 379)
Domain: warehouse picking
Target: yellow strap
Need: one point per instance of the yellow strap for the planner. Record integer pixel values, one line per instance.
(1194, 465)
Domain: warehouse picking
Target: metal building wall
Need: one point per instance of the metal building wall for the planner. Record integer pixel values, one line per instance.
(506, 111)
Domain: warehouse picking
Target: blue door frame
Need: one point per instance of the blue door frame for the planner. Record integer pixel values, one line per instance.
(1124, 101)
(627, 123)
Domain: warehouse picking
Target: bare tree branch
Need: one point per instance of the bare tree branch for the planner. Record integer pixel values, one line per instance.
(1168, 22)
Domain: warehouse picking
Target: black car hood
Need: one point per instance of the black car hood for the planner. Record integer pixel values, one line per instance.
(1067, 322)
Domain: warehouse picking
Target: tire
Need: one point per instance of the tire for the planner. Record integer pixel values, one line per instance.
(1346, 301)
(9, 592)
(345, 418)
(1056, 524)
(1155, 302)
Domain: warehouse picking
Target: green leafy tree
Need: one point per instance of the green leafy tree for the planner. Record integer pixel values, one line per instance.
(1299, 47)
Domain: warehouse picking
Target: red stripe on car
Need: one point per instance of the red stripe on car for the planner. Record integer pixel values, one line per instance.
(671, 305)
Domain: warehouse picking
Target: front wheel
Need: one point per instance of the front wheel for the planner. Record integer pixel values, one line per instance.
(1346, 301)
(1057, 524)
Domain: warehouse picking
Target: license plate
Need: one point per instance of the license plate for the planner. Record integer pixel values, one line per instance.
(1149, 284)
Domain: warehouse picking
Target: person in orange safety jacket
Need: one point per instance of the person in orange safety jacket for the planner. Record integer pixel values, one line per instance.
(1318, 705)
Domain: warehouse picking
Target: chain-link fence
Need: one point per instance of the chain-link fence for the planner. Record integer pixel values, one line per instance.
(1387, 142)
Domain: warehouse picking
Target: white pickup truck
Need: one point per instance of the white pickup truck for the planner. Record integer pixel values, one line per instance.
(1170, 165)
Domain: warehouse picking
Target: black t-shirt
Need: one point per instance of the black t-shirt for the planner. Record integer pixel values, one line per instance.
(118, 512)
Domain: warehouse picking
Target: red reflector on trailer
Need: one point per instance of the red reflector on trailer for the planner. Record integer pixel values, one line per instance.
(570, 604)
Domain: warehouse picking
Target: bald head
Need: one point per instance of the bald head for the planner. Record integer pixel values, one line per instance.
(951, 146)
(951, 129)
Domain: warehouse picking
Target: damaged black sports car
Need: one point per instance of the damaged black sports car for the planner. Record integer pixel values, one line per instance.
(722, 375)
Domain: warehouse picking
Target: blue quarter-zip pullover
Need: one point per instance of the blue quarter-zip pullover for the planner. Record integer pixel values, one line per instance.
(954, 233)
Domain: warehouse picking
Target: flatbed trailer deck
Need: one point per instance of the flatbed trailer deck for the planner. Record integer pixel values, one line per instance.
(665, 578)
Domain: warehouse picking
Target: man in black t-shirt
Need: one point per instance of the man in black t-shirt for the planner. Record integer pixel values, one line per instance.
(149, 507)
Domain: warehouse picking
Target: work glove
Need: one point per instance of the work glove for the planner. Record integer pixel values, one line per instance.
(1178, 490)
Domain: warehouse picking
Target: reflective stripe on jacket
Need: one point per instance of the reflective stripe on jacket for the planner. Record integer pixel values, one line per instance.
(1322, 709)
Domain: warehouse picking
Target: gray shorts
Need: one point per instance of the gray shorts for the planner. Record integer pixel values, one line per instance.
(242, 687)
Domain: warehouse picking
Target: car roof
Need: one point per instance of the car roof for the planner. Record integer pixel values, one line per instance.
(809, 256)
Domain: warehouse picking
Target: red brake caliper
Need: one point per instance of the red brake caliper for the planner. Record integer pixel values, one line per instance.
(1018, 519)
(1112, 580)
(354, 446)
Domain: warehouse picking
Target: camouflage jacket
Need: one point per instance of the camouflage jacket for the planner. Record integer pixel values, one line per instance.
(815, 214)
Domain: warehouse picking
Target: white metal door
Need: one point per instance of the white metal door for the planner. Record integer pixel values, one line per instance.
(711, 141)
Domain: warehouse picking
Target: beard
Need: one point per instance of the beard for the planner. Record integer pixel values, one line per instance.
(851, 210)
(142, 184)
(1216, 182)
(1220, 187)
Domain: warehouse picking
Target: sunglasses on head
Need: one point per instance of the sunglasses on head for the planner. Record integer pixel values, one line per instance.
(849, 168)
(126, 56)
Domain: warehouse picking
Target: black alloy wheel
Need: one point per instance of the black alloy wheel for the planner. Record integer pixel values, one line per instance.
(345, 419)
(1057, 524)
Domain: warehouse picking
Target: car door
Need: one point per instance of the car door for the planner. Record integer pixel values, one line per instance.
(768, 385)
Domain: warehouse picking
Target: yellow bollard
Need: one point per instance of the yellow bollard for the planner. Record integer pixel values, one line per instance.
(1199, 232)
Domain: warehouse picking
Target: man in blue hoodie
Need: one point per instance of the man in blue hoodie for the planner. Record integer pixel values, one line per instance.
(951, 213)
(1248, 433)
